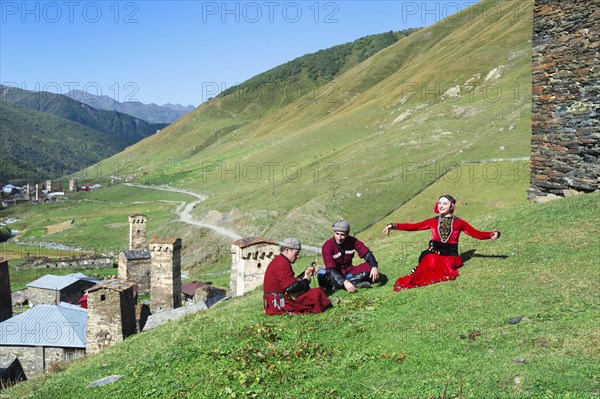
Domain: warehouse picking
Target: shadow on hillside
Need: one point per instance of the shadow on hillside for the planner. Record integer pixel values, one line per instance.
(466, 256)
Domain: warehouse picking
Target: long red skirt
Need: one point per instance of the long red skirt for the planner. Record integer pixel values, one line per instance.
(312, 301)
(432, 269)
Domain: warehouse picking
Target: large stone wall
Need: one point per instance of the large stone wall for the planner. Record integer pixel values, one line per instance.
(565, 110)
(62, 263)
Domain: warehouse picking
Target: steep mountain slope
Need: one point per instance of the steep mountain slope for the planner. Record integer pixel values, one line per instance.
(124, 128)
(167, 113)
(37, 145)
(359, 145)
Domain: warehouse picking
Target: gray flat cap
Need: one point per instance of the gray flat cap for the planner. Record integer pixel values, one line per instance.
(341, 225)
(291, 243)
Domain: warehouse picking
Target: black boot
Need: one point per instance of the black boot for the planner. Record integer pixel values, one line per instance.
(361, 280)
(382, 279)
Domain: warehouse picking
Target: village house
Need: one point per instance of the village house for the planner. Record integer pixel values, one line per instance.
(44, 335)
(51, 289)
(112, 313)
(200, 292)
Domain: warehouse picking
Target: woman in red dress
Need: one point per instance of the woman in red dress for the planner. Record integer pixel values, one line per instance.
(440, 262)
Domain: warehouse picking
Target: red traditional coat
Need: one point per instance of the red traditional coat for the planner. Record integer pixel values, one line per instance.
(435, 267)
(340, 256)
(279, 276)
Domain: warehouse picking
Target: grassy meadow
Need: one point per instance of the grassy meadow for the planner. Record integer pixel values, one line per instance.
(448, 340)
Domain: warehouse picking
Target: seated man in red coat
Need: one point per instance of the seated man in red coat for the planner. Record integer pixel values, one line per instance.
(338, 253)
(285, 293)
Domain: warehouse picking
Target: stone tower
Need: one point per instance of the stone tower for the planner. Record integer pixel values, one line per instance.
(165, 274)
(135, 266)
(73, 184)
(111, 314)
(5, 297)
(250, 257)
(565, 113)
(137, 232)
(39, 195)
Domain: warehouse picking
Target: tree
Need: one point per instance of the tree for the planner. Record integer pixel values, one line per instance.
(5, 233)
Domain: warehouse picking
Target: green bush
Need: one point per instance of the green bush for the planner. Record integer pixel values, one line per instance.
(5, 233)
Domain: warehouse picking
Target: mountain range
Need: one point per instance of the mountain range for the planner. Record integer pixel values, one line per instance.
(45, 135)
(167, 113)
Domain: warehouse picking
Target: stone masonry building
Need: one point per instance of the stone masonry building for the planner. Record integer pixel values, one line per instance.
(165, 274)
(250, 257)
(135, 262)
(111, 314)
(137, 232)
(566, 99)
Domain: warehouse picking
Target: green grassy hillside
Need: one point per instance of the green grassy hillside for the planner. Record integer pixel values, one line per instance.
(447, 340)
(37, 145)
(360, 145)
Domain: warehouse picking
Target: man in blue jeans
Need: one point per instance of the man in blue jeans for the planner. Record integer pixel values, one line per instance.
(338, 253)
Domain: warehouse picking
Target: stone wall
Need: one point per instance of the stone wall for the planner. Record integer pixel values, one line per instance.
(566, 97)
(47, 263)
(37, 359)
(5, 296)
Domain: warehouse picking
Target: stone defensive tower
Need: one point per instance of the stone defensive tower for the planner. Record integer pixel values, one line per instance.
(566, 96)
(165, 274)
(5, 297)
(73, 184)
(250, 257)
(137, 232)
(135, 266)
(111, 314)
(39, 195)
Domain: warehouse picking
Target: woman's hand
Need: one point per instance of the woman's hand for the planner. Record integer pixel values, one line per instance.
(388, 228)
(495, 235)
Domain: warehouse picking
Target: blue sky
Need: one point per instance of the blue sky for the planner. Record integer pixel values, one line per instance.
(183, 51)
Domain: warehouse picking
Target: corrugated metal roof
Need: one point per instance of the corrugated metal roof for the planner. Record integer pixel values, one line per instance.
(53, 282)
(58, 326)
